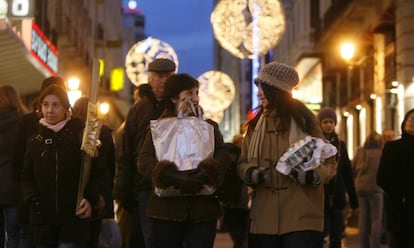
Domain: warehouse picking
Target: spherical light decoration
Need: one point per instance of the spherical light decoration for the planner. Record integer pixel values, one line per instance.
(144, 52)
(216, 91)
(248, 28)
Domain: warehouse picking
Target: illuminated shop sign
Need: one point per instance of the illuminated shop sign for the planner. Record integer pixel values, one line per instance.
(20, 8)
(43, 50)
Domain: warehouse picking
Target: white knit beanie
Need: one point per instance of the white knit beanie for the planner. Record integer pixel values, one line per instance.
(278, 75)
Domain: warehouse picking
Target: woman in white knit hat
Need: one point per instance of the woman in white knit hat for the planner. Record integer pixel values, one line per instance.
(286, 210)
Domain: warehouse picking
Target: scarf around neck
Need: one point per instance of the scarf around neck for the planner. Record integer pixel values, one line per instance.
(55, 127)
(255, 146)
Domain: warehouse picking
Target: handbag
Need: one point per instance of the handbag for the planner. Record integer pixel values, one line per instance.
(186, 141)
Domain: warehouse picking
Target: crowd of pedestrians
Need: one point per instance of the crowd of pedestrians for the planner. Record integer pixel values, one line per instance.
(135, 196)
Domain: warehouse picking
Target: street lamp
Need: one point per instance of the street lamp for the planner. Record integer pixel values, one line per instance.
(73, 90)
(347, 52)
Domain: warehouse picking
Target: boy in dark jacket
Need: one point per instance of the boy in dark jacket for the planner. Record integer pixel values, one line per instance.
(342, 183)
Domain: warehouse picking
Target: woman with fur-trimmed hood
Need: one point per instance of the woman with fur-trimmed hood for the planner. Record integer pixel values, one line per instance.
(187, 220)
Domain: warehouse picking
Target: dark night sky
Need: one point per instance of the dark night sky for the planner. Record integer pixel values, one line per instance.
(185, 25)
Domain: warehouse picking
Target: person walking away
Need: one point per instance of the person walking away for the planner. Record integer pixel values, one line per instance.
(234, 198)
(11, 110)
(370, 195)
(395, 178)
(123, 217)
(340, 188)
(51, 173)
(287, 210)
(131, 191)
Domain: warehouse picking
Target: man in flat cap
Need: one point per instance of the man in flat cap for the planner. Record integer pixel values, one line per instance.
(131, 191)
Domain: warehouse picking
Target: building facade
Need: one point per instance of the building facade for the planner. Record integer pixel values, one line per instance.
(76, 32)
(371, 90)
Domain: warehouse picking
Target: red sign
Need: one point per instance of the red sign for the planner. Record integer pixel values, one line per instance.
(43, 50)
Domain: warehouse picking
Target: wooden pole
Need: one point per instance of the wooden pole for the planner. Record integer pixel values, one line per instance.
(91, 133)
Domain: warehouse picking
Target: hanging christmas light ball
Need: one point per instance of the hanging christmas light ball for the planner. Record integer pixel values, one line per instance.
(144, 52)
(216, 91)
(248, 28)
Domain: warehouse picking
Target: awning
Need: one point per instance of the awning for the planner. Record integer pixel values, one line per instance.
(17, 66)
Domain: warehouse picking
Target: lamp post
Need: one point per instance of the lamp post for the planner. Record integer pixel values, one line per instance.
(347, 52)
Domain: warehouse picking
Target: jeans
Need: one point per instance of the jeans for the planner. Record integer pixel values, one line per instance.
(146, 223)
(302, 239)
(184, 234)
(11, 225)
(370, 216)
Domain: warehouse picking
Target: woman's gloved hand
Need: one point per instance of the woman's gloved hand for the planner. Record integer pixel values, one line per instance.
(310, 177)
(256, 175)
(187, 183)
(166, 174)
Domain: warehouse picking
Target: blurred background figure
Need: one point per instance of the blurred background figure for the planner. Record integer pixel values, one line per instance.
(341, 186)
(103, 212)
(395, 177)
(11, 111)
(370, 195)
(388, 135)
(386, 238)
(141, 91)
(123, 217)
(233, 196)
(131, 191)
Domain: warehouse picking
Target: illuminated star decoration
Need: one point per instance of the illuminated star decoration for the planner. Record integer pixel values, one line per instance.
(234, 24)
(144, 52)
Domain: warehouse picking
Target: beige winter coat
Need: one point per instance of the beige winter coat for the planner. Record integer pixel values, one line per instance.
(282, 205)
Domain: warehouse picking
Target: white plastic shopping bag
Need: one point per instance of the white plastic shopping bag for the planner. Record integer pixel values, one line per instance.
(184, 140)
(305, 154)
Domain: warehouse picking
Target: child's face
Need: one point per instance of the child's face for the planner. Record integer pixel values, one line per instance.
(328, 125)
(52, 109)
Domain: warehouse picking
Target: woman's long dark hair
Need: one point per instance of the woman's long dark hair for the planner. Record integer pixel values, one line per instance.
(286, 107)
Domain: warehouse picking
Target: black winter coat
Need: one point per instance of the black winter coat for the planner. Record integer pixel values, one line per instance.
(127, 180)
(9, 174)
(343, 182)
(106, 163)
(28, 125)
(395, 177)
(51, 173)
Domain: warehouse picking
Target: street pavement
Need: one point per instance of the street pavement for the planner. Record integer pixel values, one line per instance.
(350, 241)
